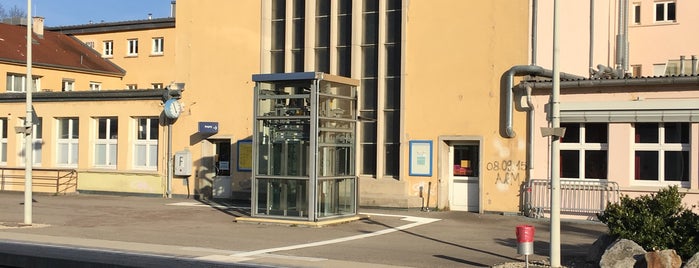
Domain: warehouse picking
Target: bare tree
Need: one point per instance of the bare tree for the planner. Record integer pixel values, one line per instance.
(15, 12)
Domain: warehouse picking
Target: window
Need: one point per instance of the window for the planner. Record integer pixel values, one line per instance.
(106, 142)
(278, 35)
(107, 48)
(298, 35)
(18, 83)
(584, 151)
(637, 13)
(132, 47)
(157, 85)
(369, 87)
(661, 152)
(146, 145)
(664, 11)
(3, 141)
(95, 86)
(90, 44)
(67, 149)
(344, 38)
(37, 142)
(68, 85)
(391, 92)
(131, 86)
(158, 46)
(322, 45)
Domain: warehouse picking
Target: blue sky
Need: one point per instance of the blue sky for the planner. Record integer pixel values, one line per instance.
(73, 12)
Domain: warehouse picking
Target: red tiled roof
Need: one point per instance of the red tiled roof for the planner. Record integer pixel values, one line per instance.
(54, 50)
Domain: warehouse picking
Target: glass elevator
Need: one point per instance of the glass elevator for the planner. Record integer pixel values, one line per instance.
(304, 146)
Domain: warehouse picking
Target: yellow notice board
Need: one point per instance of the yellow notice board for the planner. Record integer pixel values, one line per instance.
(245, 155)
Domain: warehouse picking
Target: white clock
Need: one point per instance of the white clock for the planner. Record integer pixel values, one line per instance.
(172, 108)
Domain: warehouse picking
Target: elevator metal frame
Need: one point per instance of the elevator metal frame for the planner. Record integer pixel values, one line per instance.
(304, 146)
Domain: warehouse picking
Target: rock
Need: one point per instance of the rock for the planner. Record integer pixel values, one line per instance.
(594, 253)
(693, 262)
(623, 253)
(663, 259)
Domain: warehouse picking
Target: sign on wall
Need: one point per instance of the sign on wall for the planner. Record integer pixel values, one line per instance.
(245, 155)
(421, 158)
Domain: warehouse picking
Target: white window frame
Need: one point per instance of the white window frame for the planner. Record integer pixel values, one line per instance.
(68, 85)
(581, 146)
(131, 86)
(110, 143)
(636, 18)
(3, 141)
(158, 46)
(661, 147)
(22, 87)
(69, 143)
(156, 85)
(145, 144)
(665, 15)
(107, 48)
(37, 142)
(95, 86)
(132, 47)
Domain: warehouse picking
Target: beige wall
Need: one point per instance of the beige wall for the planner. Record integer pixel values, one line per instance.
(218, 50)
(146, 68)
(453, 65)
(656, 43)
(620, 140)
(52, 79)
(574, 35)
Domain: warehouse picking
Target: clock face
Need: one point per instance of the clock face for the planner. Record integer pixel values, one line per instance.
(173, 108)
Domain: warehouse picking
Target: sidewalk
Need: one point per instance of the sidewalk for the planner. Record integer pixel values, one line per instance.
(190, 229)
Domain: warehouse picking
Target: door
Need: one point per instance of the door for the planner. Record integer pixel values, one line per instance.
(464, 175)
(217, 175)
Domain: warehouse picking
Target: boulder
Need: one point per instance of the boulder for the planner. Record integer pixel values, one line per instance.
(693, 262)
(663, 259)
(594, 253)
(623, 253)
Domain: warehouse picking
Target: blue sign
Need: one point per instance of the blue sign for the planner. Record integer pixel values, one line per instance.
(208, 127)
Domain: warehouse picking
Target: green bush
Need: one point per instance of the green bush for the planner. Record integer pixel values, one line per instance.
(655, 222)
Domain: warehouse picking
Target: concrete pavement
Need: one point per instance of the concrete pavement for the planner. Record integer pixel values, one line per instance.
(209, 231)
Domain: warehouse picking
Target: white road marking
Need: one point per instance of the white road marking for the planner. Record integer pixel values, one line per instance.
(416, 221)
(196, 204)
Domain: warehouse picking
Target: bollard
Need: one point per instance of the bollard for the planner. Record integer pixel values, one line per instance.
(525, 241)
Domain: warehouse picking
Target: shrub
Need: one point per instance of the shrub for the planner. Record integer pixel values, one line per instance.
(655, 222)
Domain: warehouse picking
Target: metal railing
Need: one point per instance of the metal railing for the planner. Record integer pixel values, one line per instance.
(47, 180)
(578, 197)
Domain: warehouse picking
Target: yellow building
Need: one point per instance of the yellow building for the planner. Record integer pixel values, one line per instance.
(429, 98)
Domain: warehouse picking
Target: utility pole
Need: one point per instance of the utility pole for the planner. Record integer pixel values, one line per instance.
(555, 150)
(28, 148)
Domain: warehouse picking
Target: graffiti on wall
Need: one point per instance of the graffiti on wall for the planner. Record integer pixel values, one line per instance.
(507, 172)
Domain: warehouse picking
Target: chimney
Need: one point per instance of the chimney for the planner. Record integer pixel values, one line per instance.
(38, 26)
(173, 9)
(150, 16)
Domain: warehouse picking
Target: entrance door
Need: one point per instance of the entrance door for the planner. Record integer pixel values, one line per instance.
(217, 160)
(464, 176)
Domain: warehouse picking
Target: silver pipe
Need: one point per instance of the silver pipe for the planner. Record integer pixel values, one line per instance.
(626, 38)
(592, 35)
(506, 83)
(646, 81)
(530, 133)
(618, 36)
(682, 65)
(535, 5)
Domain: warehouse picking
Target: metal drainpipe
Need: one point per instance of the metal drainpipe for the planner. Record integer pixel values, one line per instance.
(506, 83)
(592, 35)
(682, 65)
(530, 132)
(535, 14)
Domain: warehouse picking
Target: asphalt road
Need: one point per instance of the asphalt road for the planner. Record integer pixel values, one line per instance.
(187, 229)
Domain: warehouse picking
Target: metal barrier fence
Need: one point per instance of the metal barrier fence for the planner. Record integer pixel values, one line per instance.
(47, 180)
(578, 197)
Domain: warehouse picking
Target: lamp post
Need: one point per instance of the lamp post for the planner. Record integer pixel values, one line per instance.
(28, 148)
(555, 149)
